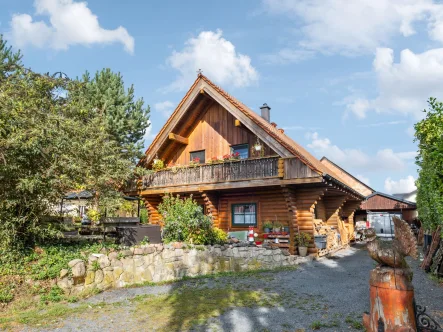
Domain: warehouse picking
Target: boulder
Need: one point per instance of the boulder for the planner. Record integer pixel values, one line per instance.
(78, 268)
(64, 273)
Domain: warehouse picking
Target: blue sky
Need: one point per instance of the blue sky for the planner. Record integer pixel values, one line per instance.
(345, 79)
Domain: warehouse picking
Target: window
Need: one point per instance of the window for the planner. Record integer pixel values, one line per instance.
(244, 214)
(242, 149)
(198, 155)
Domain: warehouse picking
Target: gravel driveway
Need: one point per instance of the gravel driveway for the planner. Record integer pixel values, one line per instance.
(330, 294)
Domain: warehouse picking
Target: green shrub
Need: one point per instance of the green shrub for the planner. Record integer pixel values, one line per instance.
(55, 294)
(219, 236)
(6, 293)
(143, 216)
(93, 215)
(184, 221)
(46, 261)
(145, 240)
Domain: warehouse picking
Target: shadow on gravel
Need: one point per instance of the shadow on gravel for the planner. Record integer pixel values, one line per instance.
(257, 301)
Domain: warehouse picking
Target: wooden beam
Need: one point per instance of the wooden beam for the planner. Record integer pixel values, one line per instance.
(178, 138)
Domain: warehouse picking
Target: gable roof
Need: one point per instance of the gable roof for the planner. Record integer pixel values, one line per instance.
(391, 197)
(282, 143)
(325, 159)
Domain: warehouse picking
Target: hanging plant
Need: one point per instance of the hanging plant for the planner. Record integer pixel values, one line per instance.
(158, 164)
(258, 149)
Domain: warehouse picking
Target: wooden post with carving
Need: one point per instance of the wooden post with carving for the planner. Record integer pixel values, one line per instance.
(391, 291)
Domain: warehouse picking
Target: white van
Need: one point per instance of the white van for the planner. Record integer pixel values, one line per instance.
(383, 223)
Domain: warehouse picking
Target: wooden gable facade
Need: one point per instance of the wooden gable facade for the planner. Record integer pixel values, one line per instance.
(283, 183)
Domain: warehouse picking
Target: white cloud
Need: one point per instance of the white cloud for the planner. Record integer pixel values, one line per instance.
(401, 186)
(216, 57)
(165, 107)
(356, 159)
(356, 27)
(363, 179)
(404, 87)
(70, 23)
(359, 107)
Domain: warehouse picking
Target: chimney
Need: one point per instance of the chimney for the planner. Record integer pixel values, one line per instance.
(266, 112)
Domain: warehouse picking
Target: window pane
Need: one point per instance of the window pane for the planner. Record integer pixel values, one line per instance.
(244, 214)
(242, 150)
(198, 156)
(239, 219)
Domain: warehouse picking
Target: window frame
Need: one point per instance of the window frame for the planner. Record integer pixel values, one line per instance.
(244, 225)
(238, 145)
(202, 161)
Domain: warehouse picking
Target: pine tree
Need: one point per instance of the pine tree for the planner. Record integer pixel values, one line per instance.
(127, 119)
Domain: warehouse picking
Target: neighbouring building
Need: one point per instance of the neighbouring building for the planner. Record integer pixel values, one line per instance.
(380, 202)
(243, 169)
(377, 201)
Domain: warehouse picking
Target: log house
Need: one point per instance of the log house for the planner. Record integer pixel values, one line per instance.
(279, 181)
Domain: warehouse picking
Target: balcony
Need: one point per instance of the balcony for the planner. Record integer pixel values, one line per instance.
(230, 171)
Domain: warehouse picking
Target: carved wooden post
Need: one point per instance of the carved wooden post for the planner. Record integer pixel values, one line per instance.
(391, 291)
(391, 301)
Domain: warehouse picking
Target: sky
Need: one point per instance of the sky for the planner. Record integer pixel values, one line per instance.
(346, 79)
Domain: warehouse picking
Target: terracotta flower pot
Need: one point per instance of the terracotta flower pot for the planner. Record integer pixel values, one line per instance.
(303, 251)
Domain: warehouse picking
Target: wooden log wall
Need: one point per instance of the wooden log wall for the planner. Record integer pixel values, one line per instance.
(211, 202)
(305, 200)
(271, 205)
(290, 197)
(321, 210)
(332, 208)
(151, 204)
(348, 211)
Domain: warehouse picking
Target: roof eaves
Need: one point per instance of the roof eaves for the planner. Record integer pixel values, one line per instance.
(333, 179)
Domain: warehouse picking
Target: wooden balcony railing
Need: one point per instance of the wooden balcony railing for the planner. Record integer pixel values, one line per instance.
(246, 169)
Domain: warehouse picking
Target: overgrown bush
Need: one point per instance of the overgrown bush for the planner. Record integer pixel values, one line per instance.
(219, 236)
(143, 216)
(46, 261)
(184, 221)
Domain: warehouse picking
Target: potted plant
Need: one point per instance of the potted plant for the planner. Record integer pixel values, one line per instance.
(267, 226)
(302, 240)
(286, 229)
(277, 227)
(194, 162)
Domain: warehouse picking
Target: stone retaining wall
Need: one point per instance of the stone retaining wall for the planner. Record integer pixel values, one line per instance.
(155, 263)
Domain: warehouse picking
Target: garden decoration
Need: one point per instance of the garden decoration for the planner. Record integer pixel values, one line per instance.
(302, 241)
(392, 306)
